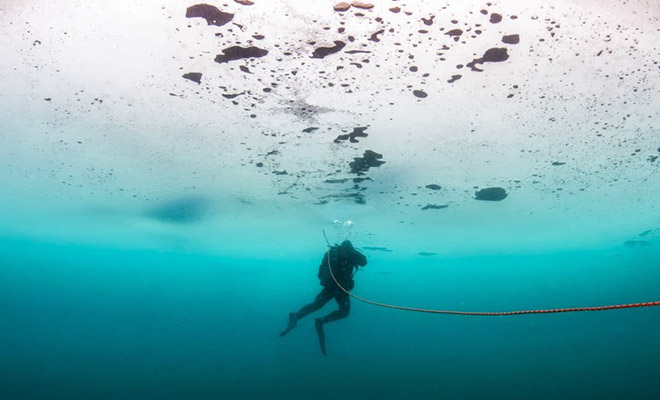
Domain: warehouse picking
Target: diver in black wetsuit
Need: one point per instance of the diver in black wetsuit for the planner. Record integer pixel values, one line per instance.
(343, 260)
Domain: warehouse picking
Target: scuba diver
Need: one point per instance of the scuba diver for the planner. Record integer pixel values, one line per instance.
(343, 260)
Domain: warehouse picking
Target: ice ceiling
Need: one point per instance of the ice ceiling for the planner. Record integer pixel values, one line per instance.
(434, 126)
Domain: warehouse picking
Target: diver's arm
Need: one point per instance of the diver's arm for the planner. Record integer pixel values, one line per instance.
(360, 259)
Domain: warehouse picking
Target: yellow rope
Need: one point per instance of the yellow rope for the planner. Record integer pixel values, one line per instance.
(485, 313)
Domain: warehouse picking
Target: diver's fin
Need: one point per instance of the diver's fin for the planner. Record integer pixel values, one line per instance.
(292, 324)
(321, 334)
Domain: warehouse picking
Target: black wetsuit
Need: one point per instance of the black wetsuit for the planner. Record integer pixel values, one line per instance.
(343, 261)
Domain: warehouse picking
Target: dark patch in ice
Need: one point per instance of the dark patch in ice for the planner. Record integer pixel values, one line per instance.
(636, 243)
(258, 37)
(428, 21)
(435, 206)
(351, 137)
(362, 179)
(426, 254)
(210, 13)
(491, 194)
(364, 6)
(376, 248)
(495, 18)
(455, 34)
(496, 54)
(395, 10)
(232, 95)
(511, 39)
(341, 7)
(555, 163)
(336, 180)
(454, 78)
(244, 69)
(374, 36)
(237, 52)
(193, 76)
(433, 186)
(420, 93)
(356, 51)
(310, 129)
(47, 99)
(360, 165)
(181, 211)
(259, 164)
(356, 197)
(322, 52)
(283, 172)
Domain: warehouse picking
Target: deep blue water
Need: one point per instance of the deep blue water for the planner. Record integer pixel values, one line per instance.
(82, 323)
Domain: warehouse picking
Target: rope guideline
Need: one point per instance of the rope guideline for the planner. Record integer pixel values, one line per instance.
(491, 313)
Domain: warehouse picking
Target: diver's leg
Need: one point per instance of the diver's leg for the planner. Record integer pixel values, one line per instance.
(320, 300)
(321, 334)
(344, 302)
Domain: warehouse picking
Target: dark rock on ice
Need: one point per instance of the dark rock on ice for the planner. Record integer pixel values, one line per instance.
(454, 78)
(360, 165)
(193, 76)
(420, 93)
(352, 137)
(237, 52)
(491, 194)
(496, 54)
(210, 13)
(434, 207)
(322, 52)
(495, 18)
(374, 36)
(511, 39)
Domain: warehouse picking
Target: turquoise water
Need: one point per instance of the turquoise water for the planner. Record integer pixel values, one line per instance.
(168, 171)
(82, 322)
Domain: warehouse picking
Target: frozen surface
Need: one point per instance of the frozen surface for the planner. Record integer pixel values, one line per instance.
(105, 141)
